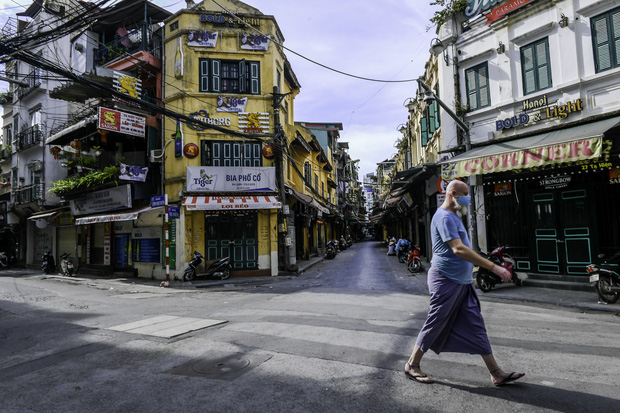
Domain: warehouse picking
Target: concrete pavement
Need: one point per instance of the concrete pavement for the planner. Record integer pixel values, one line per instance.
(565, 298)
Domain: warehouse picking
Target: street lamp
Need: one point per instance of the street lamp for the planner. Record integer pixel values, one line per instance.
(429, 97)
(410, 104)
(402, 128)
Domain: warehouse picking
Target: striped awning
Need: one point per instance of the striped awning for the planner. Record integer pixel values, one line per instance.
(230, 203)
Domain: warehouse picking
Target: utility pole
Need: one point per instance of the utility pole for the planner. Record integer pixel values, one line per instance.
(278, 137)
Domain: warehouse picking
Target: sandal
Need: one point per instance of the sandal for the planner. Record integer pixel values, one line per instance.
(420, 378)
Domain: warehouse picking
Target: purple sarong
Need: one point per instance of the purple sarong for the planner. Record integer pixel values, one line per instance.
(454, 323)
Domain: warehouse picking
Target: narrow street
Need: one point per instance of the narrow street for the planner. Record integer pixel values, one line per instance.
(334, 339)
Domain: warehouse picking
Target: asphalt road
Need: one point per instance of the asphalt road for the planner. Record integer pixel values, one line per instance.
(334, 339)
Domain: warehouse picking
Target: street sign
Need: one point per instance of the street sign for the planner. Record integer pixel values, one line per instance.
(173, 212)
(158, 201)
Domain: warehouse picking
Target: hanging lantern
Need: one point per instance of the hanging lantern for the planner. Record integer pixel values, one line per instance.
(55, 150)
(77, 145)
(104, 135)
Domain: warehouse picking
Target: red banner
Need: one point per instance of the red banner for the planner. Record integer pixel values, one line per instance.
(500, 11)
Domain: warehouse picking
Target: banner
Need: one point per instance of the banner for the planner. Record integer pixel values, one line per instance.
(254, 42)
(202, 38)
(102, 201)
(230, 179)
(529, 158)
(127, 123)
(133, 173)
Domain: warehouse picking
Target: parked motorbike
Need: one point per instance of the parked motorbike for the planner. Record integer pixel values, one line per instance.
(403, 253)
(66, 265)
(47, 263)
(4, 260)
(219, 268)
(486, 279)
(330, 252)
(342, 244)
(414, 263)
(605, 280)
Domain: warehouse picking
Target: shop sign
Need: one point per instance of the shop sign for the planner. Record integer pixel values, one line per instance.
(254, 122)
(107, 244)
(614, 176)
(211, 18)
(158, 201)
(230, 179)
(269, 152)
(121, 122)
(133, 173)
(580, 150)
(476, 6)
(127, 85)
(550, 112)
(254, 42)
(202, 38)
(555, 182)
(203, 116)
(231, 104)
(102, 201)
(502, 189)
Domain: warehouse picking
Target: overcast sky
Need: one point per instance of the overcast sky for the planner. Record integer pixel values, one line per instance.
(386, 40)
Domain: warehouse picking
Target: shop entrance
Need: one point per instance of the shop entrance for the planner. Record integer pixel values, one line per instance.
(234, 236)
(563, 230)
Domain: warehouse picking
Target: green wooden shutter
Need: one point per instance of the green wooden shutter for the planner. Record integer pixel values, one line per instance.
(615, 35)
(431, 119)
(242, 76)
(255, 78)
(424, 131)
(204, 75)
(542, 65)
(483, 86)
(215, 75)
(470, 85)
(527, 65)
(602, 48)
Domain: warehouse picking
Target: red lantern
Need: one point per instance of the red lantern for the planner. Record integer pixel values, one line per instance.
(77, 145)
(55, 150)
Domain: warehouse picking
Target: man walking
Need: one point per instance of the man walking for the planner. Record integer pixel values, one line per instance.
(454, 323)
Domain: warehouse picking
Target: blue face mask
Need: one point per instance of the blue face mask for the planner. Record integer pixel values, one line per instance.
(464, 200)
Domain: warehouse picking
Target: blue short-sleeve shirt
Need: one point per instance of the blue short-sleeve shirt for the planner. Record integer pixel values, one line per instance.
(446, 226)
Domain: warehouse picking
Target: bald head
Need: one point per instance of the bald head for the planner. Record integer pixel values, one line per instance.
(458, 186)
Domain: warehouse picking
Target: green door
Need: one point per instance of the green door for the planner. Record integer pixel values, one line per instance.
(563, 223)
(234, 236)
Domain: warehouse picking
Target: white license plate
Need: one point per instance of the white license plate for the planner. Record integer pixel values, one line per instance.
(594, 278)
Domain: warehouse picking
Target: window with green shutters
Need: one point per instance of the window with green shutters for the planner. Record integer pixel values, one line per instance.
(477, 86)
(535, 66)
(606, 40)
(229, 76)
(430, 122)
(227, 153)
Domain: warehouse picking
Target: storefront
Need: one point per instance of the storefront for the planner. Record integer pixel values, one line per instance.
(552, 197)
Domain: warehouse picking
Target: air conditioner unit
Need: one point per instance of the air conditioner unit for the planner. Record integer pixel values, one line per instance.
(157, 156)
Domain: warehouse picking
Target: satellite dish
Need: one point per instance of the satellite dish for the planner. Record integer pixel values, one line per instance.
(41, 223)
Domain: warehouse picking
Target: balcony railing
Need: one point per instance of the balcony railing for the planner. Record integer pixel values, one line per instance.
(30, 193)
(139, 39)
(33, 80)
(30, 137)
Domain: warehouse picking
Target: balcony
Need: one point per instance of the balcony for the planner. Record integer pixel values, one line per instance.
(5, 153)
(30, 193)
(33, 80)
(139, 39)
(30, 137)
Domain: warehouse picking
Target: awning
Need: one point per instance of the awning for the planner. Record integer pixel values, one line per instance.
(306, 199)
(231, 203)
(47, 215)
(578, 143)
(81, 124)
(119, 216)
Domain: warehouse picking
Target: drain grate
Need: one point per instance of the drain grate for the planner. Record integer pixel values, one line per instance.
(220, 366)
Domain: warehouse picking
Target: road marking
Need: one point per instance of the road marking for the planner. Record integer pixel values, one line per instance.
(166, 326)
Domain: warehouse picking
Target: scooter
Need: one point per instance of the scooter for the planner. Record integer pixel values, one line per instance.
(47, 263)
(219, 267)
(330, 252)
(605, 280)
(66, 265)
(486, 279)
(414, 263)
(4, 260)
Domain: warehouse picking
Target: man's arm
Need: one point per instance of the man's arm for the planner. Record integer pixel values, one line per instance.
(463, 251)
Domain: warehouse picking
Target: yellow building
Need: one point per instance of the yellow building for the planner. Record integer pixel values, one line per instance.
(224, 68)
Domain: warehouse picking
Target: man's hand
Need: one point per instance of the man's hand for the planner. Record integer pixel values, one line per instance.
(502, 273)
